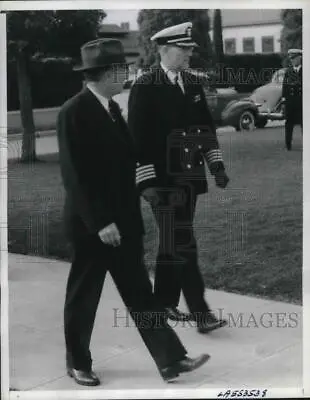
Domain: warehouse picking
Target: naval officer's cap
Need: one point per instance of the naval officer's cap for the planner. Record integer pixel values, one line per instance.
(294, 52)
(177, 35)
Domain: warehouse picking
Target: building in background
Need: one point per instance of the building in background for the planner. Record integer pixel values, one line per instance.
(125, 35)
(250, 30)
(244, 31)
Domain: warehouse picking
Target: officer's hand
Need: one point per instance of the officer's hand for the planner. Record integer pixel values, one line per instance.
(110, 235)
(221, 179)
(152, 195)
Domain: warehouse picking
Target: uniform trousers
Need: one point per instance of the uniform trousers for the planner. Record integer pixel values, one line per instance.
(91, 260)
(177, 266)
(293, 117)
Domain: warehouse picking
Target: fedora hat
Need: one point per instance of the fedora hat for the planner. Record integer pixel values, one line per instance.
(101, 53)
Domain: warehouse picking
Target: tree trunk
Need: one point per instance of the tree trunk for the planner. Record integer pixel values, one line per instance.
(218, 36)
(25, 102)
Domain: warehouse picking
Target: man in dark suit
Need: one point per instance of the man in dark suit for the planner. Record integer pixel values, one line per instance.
(103, 218)
(292, 95)
(174, 132)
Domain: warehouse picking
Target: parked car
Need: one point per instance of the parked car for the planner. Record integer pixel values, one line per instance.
(230, 108)
(268, 99)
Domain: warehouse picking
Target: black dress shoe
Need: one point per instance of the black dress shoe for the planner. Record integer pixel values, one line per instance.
(209, 323)
(86, 378)
(169, 374)
(176, 315)
(185, 365)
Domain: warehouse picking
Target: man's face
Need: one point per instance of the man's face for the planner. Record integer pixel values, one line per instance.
(115, 78)
(296, 60)
(177, 57)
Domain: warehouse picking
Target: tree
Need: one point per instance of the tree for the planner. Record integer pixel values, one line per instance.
(152, 21)
(218, 36)
(35, 34)
(291, 34)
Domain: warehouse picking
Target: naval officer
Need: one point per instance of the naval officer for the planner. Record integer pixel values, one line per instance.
(174, 134)
(292, 94)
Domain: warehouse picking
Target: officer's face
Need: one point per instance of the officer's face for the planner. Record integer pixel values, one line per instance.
(296, 61)
(178, 57)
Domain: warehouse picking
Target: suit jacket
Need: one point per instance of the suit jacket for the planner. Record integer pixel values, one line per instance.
(97, 162)
(173, 132)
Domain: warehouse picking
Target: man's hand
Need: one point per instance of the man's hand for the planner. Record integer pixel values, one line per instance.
(221, 179)
(152, 195)
(110, 235)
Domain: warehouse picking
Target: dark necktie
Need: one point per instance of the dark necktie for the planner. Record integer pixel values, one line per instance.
(177, 84)
(116, 114)
(115, 111)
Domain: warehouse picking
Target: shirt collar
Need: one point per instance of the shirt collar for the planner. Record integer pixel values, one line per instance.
(171, 74)
(103, 100)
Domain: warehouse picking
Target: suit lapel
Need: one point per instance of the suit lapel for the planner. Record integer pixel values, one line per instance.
(192, 93)
(115, 131)
(171, 92)
(185, 83)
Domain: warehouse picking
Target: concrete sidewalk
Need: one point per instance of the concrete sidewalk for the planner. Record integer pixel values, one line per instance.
(255, 350)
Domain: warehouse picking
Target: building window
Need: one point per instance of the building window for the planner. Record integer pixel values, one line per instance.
(230, 46)
(268, 44)
(249, 45)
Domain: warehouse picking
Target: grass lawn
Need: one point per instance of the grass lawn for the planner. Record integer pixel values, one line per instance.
(249, 235)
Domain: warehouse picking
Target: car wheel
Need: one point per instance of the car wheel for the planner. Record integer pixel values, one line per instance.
(261, 123)
(246, 121)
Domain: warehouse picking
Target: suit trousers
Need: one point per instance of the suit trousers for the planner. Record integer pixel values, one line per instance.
(177, 266)
(92, 259)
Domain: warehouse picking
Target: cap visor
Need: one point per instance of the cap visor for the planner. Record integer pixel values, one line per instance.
(186, 44)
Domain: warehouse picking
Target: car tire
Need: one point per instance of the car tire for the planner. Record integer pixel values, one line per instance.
(246, 121)
(261, 123)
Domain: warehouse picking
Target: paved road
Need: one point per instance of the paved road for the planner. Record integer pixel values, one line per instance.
(45, 118)
(44, 145)
(48, 144)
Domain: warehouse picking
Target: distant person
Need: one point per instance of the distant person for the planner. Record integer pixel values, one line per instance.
(103, 218)
(174, 133)
(292, 95)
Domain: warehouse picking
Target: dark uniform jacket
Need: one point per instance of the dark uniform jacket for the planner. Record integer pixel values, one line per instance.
(292, 92)
(173, 132)
(97, 161)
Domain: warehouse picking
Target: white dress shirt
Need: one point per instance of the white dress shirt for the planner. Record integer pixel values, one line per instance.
(172, 75)
(297, 68)
(103, 100)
